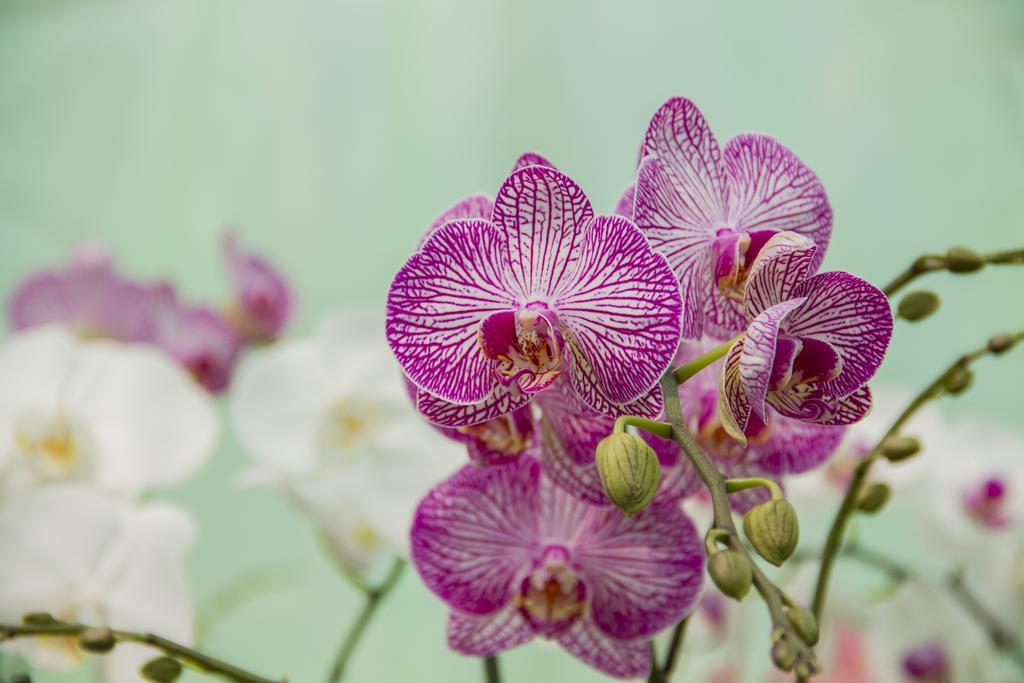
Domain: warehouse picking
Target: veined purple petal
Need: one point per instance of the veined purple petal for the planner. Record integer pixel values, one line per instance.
(541, 214)
(624, 207)
(435, 306)
(476, 532)
(685, 245)
(733, 406)
(621, 314)
(263, 298)
(484, 636)
(473, 206)
(531, 159)
(795, 446)
(853, 316)
(643, 572)
(770, 188)
(682, 140)
(783, 262)
(564, 466)
(758, 356)
(723, 315)
(200, 340)
(821, 409)
(618, 658)
(501, 401)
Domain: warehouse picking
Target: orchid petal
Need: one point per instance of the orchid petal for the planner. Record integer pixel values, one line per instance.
(821, 409)
(473, 206)
(733, 406)
(618, 658)
(485, 636)
(759, 347)
(624, 207)
(621, 316)
(541, 213)
(531, 159)
(783, 262)
(796, 446)
(435, 306)
(502, 400)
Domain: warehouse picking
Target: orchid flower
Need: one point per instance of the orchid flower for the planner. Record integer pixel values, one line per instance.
(710, 210)
(82, 557)
(488, 313)
(328, 423)
(812, 342)
(516, 557)
(263, 301)
(121, 417)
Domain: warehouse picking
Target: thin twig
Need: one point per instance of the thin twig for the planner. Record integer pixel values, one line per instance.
(675, 645)
(929, 263)
(492, 674)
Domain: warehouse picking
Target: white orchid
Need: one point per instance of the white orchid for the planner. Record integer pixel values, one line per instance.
(84, 557)
(121, 417)
(328, 421)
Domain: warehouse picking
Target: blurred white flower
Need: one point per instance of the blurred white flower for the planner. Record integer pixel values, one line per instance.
(83, 557)
(120, 417)
(329, 422)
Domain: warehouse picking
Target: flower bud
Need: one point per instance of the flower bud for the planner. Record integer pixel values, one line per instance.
(804, 624)
(39, 619)
(98, 640)
(918, 305)
(731, 572)
(161, 670)
(964, 260)
(959, 380)
(784, 654)
(629, 471)
(1001, 343)
(773, 529)
(874, 498)
(897, 448)
(21, 678)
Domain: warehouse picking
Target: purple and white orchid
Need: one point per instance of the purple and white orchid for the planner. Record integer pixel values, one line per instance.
(516, 557)
(812, 344)
(709, 210)
(489, 312)
(263, 301)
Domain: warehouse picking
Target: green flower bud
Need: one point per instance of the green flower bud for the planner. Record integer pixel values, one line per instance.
(897, 448)
(731, 572)
(964, 260)
(874, 498)
(1001, 343)
(629, 471)
(161, 670)
(98, 640)
(39, 619)
(784, 654)
(773, 529)
(804, 624)
(959, 380)
(918, 305)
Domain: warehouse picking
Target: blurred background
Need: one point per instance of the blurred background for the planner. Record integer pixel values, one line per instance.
(331, 133)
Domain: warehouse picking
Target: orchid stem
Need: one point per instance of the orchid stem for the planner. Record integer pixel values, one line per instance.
(685, 372)
(929, 263)
(734, 485)
(183, 654)
(492, 674)
(675, 645)
(715, 483)
(373, 600)
(662, 429)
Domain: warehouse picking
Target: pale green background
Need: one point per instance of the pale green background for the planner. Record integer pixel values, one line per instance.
(331, 133)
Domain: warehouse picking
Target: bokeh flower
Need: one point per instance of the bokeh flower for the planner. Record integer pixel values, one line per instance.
(263, 301)
(709, 210)
(516, 557)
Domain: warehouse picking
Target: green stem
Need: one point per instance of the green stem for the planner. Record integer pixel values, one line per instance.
(491, 672)
(186, 655)
(373, 599)
(715, 483)
(675, 646)
(661, 429)
(929, 263)
(685, 372)
(742, 484)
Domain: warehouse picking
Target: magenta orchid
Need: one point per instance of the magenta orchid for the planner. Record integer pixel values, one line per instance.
(488, 313)
(516, 557)
(812, 344)
(709, 210)
(263, 301)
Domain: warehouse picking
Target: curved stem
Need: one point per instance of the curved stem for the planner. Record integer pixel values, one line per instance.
(744, 483)
(929, 263)
(373, 599)
(491, 672)
(657, 428)
(182, 653)
(685, 372)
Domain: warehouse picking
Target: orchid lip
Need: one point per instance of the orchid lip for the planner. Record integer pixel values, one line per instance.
(525, 346)
(985, 502)
(552, 597)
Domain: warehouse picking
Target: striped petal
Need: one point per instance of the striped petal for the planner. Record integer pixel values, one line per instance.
(621, 314)
(783, 262)
(685, 245)
(484, 636)
(502, 400)
(853, 317)
(818, 408)
(618, 658)
(475, 533)
(624, 207)
(733, 406)
(541, 214)
(531, 159)
(759, 349)
(473, 206)
(769, 188)
(435, 306)
(795, 446)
